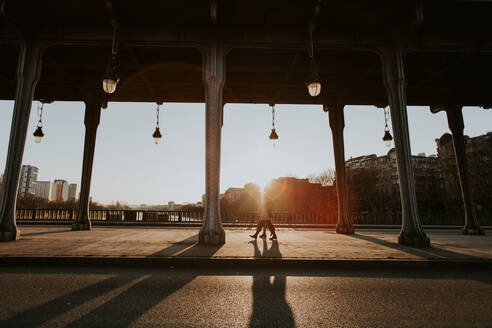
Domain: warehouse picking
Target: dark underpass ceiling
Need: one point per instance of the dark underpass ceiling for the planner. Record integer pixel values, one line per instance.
(159, 57)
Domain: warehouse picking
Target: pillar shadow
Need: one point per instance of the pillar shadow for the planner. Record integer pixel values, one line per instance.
(120, 311)
(270, 307)
(427, 253)
(123, 310)
(176, 247)
(188, 247)
(37, 316)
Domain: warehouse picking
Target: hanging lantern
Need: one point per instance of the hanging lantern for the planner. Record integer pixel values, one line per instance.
(387, 138)
(313, 80)
(313, 83)
(157, 133)
(110, 77)
(38, 134)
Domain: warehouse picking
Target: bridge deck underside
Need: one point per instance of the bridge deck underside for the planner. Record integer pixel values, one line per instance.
(159, 57)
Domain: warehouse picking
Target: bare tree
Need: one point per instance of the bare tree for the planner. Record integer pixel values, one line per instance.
(325, 178)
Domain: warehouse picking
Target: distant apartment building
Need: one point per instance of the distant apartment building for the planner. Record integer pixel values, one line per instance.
(171, 205)
(290, 194)
(479, 164)
(374, 184)
(27, 184)
(233, 194)
(285, 194)
(59, 190)
(72, 192)
(43, 190)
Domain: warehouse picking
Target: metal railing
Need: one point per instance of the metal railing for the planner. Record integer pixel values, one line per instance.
(110, 215)
(286, 218)
(282, 218)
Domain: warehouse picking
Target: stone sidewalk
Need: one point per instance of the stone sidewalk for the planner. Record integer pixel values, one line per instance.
(48, 243)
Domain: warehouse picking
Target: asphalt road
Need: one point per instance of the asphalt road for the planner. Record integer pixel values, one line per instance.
(124, 297)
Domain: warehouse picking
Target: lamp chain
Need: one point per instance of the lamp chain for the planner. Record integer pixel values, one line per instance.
(157, 114)
(311, 46)
(40, 113)
(386, 128)
(113, 49)
(273, 116)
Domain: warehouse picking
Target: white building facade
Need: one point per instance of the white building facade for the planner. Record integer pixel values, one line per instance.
(29, 176)
(59, 190)
(72, 192)
(43, 190)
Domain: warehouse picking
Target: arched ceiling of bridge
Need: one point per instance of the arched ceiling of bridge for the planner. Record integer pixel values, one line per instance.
(147, 73)
(277, 76)
(364, 16)
(449, 78)
(254, 75)
(269, 61)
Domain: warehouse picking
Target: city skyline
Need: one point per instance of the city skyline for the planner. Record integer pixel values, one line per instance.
(124, 144)
(51, 190)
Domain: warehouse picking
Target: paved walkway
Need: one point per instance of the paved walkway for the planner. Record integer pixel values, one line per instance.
(300, 244)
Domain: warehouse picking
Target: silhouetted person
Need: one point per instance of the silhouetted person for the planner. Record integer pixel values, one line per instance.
(264, 220)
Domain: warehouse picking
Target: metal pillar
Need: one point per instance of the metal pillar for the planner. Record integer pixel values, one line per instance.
(211, 231)
(91, 121)
(337, 123)
(28, 72)
(411, 233)
(456, 125)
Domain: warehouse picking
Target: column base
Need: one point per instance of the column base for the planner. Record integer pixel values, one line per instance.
(345, 230)
(9, 235)
(82, 226)
(413, 240)
(205, 238)
(473, 231)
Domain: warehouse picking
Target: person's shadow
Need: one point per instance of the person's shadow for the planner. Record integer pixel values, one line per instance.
(270, 307)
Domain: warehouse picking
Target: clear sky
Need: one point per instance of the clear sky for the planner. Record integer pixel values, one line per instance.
(129, 167)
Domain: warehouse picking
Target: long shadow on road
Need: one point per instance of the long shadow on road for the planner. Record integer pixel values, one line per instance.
(49, 310)
(122, 310)
(270, 307)
(113, 301)
(177, 247)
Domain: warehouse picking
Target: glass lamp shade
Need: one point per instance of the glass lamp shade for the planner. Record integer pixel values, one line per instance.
(109, 85)
(313, 81)
(110, 78)
(387, 138)
(38, 134)
(273, 135)
(314, 88)
(157, 136)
